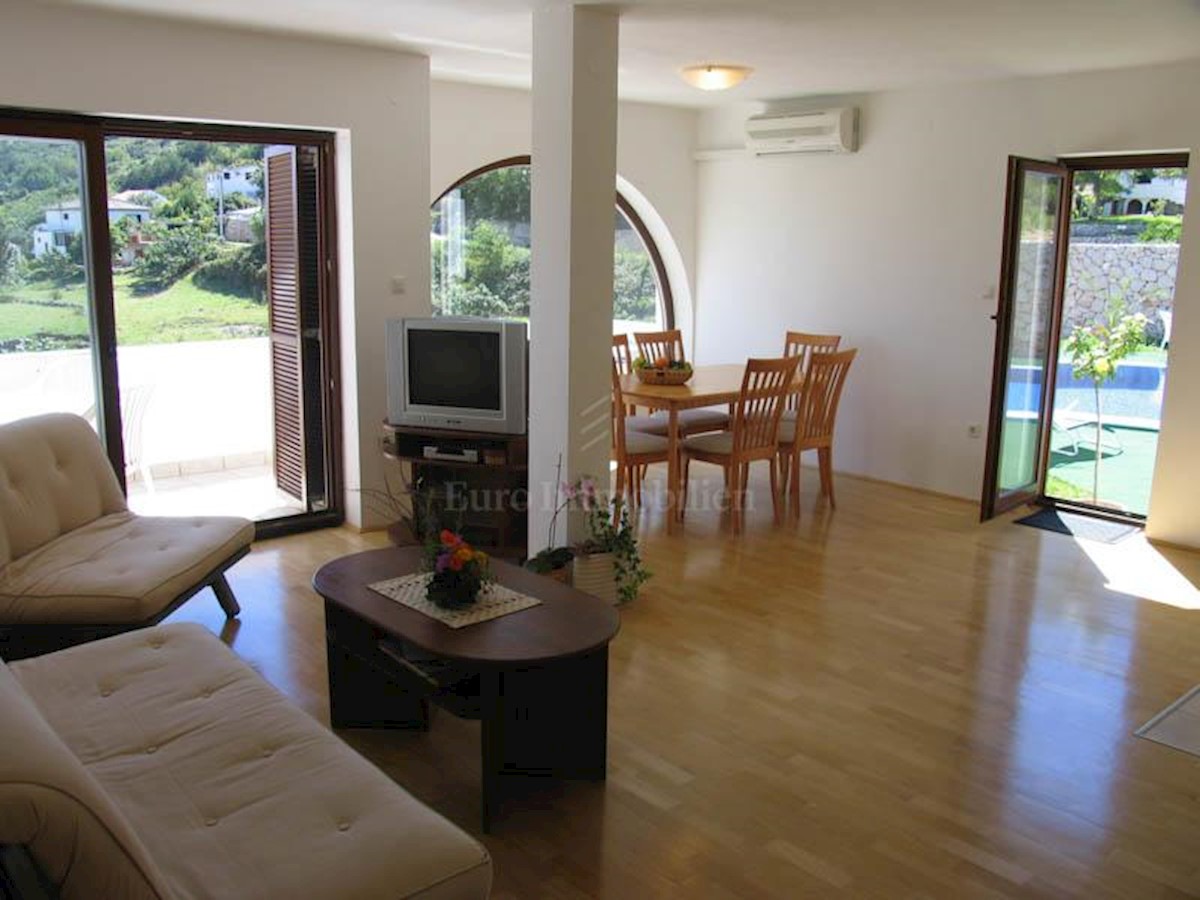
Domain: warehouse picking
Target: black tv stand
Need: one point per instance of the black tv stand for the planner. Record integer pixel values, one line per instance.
(485, 476)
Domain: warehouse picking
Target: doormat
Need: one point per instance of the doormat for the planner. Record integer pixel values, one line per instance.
(1080, 526)
(1178, 725)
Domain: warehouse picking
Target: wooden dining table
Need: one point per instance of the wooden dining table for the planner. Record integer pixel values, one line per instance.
(709, 386)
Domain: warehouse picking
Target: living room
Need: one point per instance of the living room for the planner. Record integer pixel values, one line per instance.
(783, 705)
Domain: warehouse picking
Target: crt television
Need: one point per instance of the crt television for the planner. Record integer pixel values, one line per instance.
(466, 374)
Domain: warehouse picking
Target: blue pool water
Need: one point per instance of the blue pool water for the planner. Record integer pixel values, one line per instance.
(1135, 393)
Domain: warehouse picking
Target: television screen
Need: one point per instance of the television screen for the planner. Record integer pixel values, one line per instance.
(459, 369)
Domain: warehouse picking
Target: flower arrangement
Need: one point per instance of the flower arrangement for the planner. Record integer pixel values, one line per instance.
(459, 571)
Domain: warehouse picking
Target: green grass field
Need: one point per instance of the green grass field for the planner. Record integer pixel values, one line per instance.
(56, 317)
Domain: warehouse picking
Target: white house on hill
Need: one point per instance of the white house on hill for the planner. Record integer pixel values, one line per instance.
(237, 179)
(66, 219)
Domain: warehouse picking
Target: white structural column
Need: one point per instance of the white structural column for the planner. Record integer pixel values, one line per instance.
(574, 173)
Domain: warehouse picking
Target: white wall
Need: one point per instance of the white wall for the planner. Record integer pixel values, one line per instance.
(473, 125)
(897, 247)
(377, 100)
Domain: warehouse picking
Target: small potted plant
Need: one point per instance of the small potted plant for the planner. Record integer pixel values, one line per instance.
(553, 561)
(607, 563)
(459, 571)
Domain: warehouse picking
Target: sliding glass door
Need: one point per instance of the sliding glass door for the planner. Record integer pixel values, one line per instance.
(47, 326)
(149, 273)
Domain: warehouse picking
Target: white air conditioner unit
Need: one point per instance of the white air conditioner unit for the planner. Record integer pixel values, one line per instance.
(820, 131)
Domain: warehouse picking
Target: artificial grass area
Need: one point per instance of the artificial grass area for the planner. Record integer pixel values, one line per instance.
(183, 312)
(1126, 464)
(1125, 471)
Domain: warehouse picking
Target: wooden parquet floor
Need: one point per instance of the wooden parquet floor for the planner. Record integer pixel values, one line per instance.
(888, 700)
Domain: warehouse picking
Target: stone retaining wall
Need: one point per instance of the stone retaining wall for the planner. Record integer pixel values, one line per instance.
(1142, 274)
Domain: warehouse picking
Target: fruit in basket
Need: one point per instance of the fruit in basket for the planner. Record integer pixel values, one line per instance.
(662, 362)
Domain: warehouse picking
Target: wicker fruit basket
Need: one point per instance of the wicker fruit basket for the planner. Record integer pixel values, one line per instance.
(653, 375)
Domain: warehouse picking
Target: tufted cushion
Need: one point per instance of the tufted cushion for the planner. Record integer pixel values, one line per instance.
(235, 793)
(54, 478)
(118, 569)
(639, 442)
(50, 804)
(720, 442)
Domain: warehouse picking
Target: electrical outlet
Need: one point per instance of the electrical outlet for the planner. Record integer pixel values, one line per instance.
(974, 431)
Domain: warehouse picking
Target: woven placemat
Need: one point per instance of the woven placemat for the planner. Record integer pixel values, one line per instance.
(495, 600)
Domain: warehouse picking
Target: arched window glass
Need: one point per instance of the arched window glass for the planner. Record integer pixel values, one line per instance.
(480, 253)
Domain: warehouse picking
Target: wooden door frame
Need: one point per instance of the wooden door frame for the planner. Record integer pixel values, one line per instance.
(92, 131)
(990, 505)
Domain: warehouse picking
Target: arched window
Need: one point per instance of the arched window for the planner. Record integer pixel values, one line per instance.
(479, 247)
(1134, 208)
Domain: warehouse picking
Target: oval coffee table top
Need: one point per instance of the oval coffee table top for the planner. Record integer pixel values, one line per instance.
(566, 623)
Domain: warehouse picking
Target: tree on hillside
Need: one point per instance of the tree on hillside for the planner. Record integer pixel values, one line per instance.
(501, 195)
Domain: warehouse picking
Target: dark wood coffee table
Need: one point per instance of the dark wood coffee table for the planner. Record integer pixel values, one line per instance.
(537, 679)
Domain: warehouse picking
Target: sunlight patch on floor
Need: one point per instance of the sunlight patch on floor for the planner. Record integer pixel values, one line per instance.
(1136, 568)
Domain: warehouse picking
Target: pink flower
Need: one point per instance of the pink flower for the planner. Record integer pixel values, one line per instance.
(588, 486)
(569, 491)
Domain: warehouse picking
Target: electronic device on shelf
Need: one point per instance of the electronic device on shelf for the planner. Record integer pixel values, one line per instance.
(450, 454)
(458, 373)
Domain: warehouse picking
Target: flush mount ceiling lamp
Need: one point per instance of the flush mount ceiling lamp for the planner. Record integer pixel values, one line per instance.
(715, 77)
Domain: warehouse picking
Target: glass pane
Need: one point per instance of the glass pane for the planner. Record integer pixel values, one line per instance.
(46, 360)
(1119, 298)
(1032, 307)
(480, 254)
(192, 347)
(637, 295)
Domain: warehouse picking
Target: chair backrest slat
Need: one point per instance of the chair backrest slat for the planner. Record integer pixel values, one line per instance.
(822, 392)
(618, 413)
(765, 384)
(654, 345)
(622, 355)
(805, 346)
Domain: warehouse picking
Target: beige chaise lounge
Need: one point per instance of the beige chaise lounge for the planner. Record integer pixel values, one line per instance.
(156, 765)
(75, 563)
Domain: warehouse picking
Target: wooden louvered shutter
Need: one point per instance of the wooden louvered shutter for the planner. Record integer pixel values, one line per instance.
(283, 305)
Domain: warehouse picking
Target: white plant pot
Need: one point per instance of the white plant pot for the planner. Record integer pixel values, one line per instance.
(596, 574)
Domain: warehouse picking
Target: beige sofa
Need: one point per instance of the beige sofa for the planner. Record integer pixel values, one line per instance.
(75, 563)
(156, 765)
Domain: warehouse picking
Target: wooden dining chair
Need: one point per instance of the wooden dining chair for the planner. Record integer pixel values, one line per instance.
(805, 346)
(754, 436)
(633, 450)
(654, 345)
(813, 426)
(621, 354)
(651, 346)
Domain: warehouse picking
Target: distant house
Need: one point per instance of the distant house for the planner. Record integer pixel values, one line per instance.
(239, 224)
(1141, 198)
(66, 220)
(235, 180)
(140, 195)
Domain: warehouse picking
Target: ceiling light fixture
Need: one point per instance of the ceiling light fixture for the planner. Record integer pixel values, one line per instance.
(714, 77)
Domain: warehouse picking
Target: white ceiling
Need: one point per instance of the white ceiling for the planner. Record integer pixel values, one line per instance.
(797, 47)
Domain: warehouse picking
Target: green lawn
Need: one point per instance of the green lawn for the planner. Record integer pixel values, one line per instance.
(1126, 463)
(183, 312)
